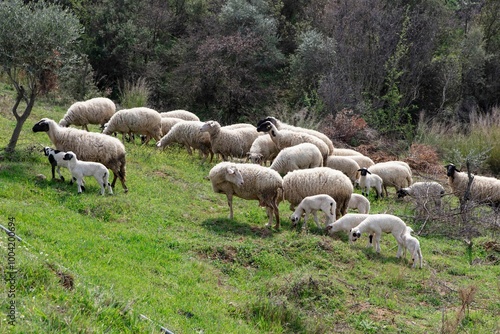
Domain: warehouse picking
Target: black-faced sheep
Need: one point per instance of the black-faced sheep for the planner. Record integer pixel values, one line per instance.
(251, 182)
(367, 180)
(314, 181)
(80, 169)
(283, 126)
(301, 156)
(56, 159)
(142, 121)
(88, 146)
(311, 204)
(94, 111)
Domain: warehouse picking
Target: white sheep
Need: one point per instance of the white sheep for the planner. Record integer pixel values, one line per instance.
(80, 169)
(180, 113)
(378, 224)
(413, 246)
(287, 138)
(367, 180)
(263, 149)
(301, 156)
(314, 181)
(360, 203)
(423, 192)
(141, 120)
(284, 126)
(188, 134)
(344, 164)
(311, 204)
(234, 143)
(394, 174)
(346, 152)
(362, 160)
(94, 111)
(167, 123)
(251, 182)
(483, 189)
(88, 146)
(346, 223)
(56, 159)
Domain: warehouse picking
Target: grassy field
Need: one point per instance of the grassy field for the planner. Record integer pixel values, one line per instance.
(165, 255)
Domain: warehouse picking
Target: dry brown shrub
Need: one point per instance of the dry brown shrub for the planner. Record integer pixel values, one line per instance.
(345, 126)
(424, 158)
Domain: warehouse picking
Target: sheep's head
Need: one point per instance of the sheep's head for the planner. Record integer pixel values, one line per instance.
(255, 158)
(295, 219)
(355, 234)
(402, 193)
(47, 151)
(450, 170)
(265, 127)
(209, 125)
(63, 122)
(268, 119)
(364, 171)
(233, 175)
(42, 125)
(69, 156)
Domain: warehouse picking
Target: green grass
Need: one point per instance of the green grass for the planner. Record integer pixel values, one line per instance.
(167, 251)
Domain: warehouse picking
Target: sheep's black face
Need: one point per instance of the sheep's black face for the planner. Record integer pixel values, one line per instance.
(401, 193)
(363, 171)
(68, 156)
(356, 235)
(264, 127)
(41, 126)
(267, 119)
(450, 170)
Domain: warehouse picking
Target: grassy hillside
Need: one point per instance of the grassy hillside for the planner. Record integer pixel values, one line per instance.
(166, 255)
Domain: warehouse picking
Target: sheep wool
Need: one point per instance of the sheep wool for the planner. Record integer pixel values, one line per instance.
(263, 149)
(167, 123)
(393, 174)
(423, 192)
(80, 169)
(301, 156)
(344, 164)
(311, 204)
(142, 120)
(314, 181)
(180, 113)
(250, 182)
(88, 146)
(94, 111)
(360, 203)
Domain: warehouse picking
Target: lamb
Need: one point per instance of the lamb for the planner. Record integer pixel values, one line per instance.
(344, 164)
(311, 204)
(346, 152)
(360, 203)
(263, 149)
(393, 174)
(188, 133)
(88, 146)
(79, 169)
(233, 143)
(346, 223)
(367, 180)
(94, 111)
(301, 156)
(378, 224)
(413, 246)
(314, 181)
(485, 190)
(424, 191)
(283, 126)
(287, 138)
(56, 159)
(180, 113)
(251, 182)
(142, 120)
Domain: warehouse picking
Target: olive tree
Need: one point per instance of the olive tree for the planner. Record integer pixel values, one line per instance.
(35, 40)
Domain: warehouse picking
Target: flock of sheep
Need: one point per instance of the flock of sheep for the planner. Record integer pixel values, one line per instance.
(304, 167)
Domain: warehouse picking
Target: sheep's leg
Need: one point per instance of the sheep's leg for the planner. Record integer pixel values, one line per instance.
(376, 239)
(230, 203)
(276, 215)
(306, 216)
(59, 172)
(315, 215)
(269, 212)
(79, 185)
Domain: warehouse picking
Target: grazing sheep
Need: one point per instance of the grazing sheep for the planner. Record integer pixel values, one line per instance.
(56, 159)
(287, 138)
(311, 204)
(180, 113)
(360, 203)
(362, 160)
(233, 143)
(423, 192)
(283, 126)
(88, 146)
(94, 111)
(188, 133)
(346, 223)
(142, 120)
(346, 152)
(239, 126)
(263, 149)
(378, 224)
(344, 164)
(368, 180)
(79, 169)
(393, 174)
(301, 156)
(413, 246)
(314, 181)
(483, 189)
(167, 123)
(251, 182)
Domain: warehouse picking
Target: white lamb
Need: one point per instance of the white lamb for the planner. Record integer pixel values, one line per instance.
(360, 203)
(413, 246)
(378, 224)
(301, 156)
(312, 204)
(346, 223)
(94, 111)
(367, 180)
(79, 169)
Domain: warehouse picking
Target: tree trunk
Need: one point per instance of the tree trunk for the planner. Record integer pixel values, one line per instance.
(21, 119)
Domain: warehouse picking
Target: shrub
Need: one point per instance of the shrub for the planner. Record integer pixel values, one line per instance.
(345, 126)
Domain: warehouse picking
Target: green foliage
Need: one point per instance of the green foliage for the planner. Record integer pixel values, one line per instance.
(135, 94)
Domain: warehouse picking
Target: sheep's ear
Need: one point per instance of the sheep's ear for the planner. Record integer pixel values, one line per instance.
(368, 171)
(230, 170)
